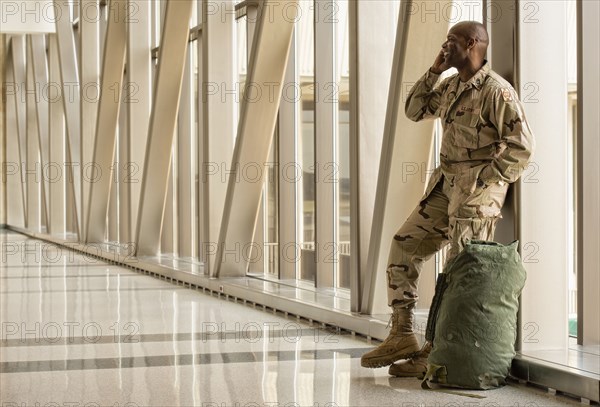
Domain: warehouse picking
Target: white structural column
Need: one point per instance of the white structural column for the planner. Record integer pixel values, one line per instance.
(260, 230)
(501, 19)
(372, 29)
(252, 13)
(2, 129)
(71, 97)
(199, 137)
(326, 129)
(138, 102)
(117, 200)
(15, 201)
(120, 182)
(258, 117)
(589, 171)
(198, 221)
(19, 82)
(168, 232)
(219, 120)
(40, 76)
(171, 61)
(186, 162)
(90, 20)
(288, 171)
(406, 145)
(113, 64)
(544, 192)
(57, 157)
(168, 229)
(112, 214)
(32, 168)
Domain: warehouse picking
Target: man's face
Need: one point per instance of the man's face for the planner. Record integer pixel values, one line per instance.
(455, 48)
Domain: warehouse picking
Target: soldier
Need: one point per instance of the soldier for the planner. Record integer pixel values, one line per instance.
(486, 145)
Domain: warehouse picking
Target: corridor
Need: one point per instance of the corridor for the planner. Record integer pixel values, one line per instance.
(80, 332)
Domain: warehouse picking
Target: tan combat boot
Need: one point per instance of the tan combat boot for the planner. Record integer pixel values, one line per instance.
(401, 343)
(415, 367)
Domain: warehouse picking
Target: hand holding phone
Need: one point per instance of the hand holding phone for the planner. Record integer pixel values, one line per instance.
(439, 65)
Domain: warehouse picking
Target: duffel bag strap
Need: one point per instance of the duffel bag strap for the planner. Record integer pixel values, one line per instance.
(436, 372)
(439, 374)
(440, 287)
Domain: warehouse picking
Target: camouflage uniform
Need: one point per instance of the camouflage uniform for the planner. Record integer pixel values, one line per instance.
(486, 145)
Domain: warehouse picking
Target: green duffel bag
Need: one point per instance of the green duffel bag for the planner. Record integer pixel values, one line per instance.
(473, 317)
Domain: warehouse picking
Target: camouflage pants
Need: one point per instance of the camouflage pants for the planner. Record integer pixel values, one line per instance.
(448, 214)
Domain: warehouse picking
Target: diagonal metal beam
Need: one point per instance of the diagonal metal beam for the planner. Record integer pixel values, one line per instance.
(168, 231)
(122, 158)
(258, 116)
(186, 163)
(370, 63)
(3, 127)
(19, 77)
(588, 184)
(91, 19)
(32, 168)
(57, 192)
(288, 182)
(111, 83)
(391, 121)
(15, 196)
(37, 46)
(404, 142)
(218, 116)
(326, 140)
(69, 75)
(139, 84)
(171, 61)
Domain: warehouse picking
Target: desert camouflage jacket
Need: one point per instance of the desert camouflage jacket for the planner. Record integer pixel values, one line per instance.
(485, 136)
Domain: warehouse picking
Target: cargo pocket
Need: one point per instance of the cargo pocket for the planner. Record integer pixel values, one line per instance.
(495, 197)
(484, 203)
(465, 203)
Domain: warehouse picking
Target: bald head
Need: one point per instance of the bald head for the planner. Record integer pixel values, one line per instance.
(473, 30)
(464, 49)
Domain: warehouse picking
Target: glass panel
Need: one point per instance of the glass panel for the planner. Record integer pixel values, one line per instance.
(343, 153)
(306, 139)
(73, 10)
(187, 158)
(156, 23)
(572, 132)
(194, 19)
(242, 47)
(271, 211)
(195, 143)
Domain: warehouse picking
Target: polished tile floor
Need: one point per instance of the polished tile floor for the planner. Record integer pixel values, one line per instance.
(79, 332)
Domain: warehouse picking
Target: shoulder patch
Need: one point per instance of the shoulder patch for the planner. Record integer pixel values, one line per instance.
(507, 95)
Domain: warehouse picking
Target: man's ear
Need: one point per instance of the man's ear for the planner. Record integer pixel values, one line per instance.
(471, 43)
